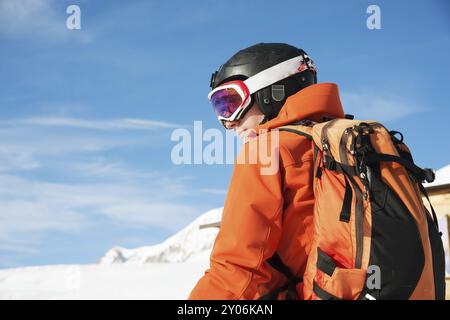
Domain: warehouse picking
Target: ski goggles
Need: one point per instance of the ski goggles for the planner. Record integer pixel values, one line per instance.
(231, 100)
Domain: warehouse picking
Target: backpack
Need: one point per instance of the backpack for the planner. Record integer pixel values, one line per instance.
(373, 236)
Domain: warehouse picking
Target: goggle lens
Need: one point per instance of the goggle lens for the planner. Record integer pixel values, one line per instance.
(225, 102)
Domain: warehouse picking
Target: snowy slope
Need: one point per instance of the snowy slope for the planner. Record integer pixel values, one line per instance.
(153, 281)
(165, 271)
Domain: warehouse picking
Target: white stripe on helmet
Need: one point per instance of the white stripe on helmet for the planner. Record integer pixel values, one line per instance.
(277, 72)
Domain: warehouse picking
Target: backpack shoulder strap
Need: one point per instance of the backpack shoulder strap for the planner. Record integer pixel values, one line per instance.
(302, 128)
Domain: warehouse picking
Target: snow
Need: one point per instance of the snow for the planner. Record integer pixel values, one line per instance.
(442, 177)
(165, 271)
(147, 281)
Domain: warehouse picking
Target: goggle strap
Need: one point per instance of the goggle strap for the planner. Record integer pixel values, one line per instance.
(274, 74)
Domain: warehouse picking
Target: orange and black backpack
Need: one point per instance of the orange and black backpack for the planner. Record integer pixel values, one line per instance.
(374, 238)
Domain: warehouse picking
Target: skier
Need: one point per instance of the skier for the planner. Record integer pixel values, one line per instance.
(267, 220)
(357, 179)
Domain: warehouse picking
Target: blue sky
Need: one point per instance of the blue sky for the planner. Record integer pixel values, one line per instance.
(86, 115)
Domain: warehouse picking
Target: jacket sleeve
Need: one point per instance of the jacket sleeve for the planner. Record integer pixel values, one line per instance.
(249, 233)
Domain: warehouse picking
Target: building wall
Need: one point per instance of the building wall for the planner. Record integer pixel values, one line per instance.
(441, 203)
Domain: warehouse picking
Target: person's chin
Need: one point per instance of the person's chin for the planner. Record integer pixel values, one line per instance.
(242, 134)
(246, 134)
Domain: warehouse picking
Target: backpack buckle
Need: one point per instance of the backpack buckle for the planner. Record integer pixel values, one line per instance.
(429, 175)
(329, 163)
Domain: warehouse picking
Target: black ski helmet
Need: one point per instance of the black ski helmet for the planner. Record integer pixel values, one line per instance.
(259, 57)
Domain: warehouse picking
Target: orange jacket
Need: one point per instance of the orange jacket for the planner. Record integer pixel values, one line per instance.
(267, 213)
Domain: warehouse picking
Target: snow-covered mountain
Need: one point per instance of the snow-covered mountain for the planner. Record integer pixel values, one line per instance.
(187, 243)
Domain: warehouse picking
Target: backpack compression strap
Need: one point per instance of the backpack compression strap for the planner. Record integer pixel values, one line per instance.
(278, 264)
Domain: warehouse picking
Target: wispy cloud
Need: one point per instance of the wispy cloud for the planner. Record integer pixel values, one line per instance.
(56, 176)
(16, 158)
(26, 142)
(23, 149)
(37, 19)
(101, 169)
(378, 106)
(105, 124)
(217, 192)
(29, 208)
